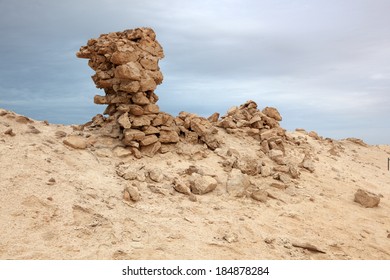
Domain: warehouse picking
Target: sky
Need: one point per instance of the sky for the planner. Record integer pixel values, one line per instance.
(325, 64)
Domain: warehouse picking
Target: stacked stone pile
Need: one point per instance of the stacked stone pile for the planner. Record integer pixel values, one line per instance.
(126, 65)
(261, 125)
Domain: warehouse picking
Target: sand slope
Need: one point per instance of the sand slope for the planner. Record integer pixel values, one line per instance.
(82, 214)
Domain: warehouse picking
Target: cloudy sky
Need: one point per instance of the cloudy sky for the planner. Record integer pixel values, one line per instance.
(324, 64)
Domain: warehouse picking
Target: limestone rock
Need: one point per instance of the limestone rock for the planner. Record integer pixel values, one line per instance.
(260, 195)
(265, 171)
(151, 150)
(9, 132)
(121, 151)
(181, 187)
(214, 117)
(247, 166)
(294, 172)
(168, 136)
(133, 193)
(308, 164)
(274, 154)
(367, 199)
(133, 134)
(237, 183)
(148, 140)
(314, 135)
(272, 113)
(156, 175)
(76, 142)
(124, 121)
(202, 184)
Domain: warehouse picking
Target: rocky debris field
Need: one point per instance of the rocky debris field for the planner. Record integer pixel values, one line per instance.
(67, 193)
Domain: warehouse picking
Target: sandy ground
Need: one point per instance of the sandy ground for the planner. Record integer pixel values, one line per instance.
(82, 215)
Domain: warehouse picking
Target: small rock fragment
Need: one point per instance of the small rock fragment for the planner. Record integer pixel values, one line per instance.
(181, 187)
(278, 186)
(260, 195)
(366, 198)
(133, 193)
(60, 134)
(308, 246)
(203, 184)
(9, 132)
(121, 151)
(75, 141)
(51, 181)
(156, 175)
(230, 237)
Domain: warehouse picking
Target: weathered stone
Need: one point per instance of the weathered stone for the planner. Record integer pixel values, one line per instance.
(264, 146)
(133, 193)
(168, 136)
(138, 121)
(260, 195)
(128, 71)
(232, 110)
(98, 99)
(227, 123)
(272, 113)
(211, 140)
(151, 149)
(150, 130)
(162, 119)
(60, 134)
(314, 135)
(237, 183)
(132, 135)
(151, 109)
(124, 57)
(367, 199)
(213, 118)
(278, 186)
(148, 83)
(149, 62)
(308, 164)
(9, 132)
(23, 119)
(133, 109)
(156, 175)
(181, 187)
(265, 171)
(122, 152)
(140, 99)
(202, 184)
(124, 121)
(129, 86)
(267, 134)
(247, 166)
(284, 178)
(137, 154)
(275, 153)
(148, 140)
(76, 142)
(294, 172)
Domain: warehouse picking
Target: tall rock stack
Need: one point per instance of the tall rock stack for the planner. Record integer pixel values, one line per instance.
(126, 65)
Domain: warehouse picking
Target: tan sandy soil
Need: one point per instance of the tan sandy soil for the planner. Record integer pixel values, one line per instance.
(83, 215)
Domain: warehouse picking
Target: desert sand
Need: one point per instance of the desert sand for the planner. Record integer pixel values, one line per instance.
(59, 202)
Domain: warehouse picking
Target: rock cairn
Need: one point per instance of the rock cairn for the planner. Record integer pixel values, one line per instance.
(126, 65)
(261, 125)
